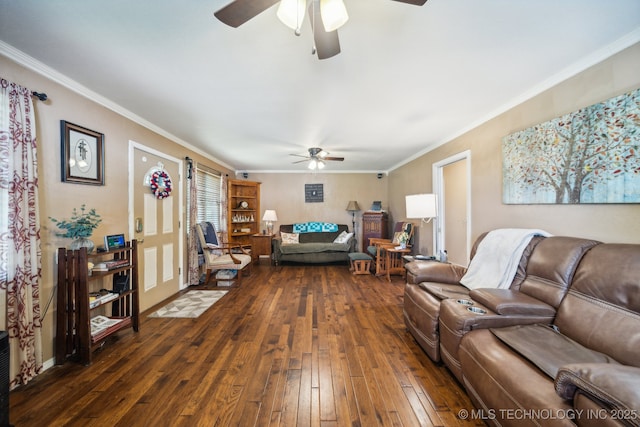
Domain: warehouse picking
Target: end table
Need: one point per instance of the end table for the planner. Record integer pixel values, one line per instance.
(261, 246)
(394, 261)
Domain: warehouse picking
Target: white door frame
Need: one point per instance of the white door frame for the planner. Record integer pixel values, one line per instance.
(438, 186)
(132, 146)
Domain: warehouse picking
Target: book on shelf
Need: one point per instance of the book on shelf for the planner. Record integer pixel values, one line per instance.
(111, 265)
(99, 298)
(100, 323)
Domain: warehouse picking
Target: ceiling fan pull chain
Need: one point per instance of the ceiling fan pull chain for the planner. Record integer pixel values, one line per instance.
(313, 28)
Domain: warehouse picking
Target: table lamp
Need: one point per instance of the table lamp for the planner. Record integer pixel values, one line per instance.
(269, 217)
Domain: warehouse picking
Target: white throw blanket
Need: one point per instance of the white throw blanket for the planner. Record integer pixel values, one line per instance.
(496, 260)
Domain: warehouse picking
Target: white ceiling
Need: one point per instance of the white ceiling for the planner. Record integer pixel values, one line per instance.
(408, 79)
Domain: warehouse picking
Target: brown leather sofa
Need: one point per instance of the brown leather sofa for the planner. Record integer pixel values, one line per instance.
(518, 370)
(429, 283)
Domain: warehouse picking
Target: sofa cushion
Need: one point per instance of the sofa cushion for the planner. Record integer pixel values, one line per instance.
(551, 267)
(546, 348)
(290, 238)
(343, 237)
(601, 311)
(310, 248)
(497, 377)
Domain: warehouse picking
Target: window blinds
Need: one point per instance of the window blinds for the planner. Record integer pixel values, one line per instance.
(208, 204)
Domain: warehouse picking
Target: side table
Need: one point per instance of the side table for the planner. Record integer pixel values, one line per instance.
(395, 261)
(261, 246)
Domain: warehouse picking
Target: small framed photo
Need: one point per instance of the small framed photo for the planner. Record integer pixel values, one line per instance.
(82, 154)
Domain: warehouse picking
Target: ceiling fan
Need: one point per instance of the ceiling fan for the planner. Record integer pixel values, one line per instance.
(316, 158)
(330, 14)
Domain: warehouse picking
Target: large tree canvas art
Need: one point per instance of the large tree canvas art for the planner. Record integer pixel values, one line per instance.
(588, 156)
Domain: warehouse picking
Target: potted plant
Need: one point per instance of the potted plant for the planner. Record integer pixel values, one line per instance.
(79, 227)
(403, 238)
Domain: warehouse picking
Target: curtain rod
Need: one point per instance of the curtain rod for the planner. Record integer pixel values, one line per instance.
(40, 96)
(206, 168)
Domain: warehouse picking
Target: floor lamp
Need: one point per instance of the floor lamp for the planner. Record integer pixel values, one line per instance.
(424, 207)
(353, 208)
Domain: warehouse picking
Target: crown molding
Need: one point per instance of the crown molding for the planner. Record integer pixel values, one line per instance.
(577, 67)
(38, 67)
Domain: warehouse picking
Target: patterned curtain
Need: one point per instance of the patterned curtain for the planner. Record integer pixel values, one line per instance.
(20, 253)
(223, 208)
(194, 270)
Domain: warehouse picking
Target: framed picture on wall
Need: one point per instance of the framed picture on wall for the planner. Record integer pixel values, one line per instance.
(82, 154)
(313, 193)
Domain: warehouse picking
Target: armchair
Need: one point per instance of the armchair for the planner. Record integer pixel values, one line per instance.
(377, 248)
(221, 256)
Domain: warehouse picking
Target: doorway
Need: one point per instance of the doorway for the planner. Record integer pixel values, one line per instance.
(155, 221)
(452, 183)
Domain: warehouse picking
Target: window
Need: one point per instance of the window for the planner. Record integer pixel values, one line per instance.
(209, 182)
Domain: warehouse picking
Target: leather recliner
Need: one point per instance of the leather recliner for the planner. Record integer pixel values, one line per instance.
(584, 369)
(429, 283)
(548, 274)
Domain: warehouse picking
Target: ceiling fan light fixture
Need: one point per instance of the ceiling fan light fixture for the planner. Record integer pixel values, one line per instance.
(313, 163)
(320, 164)
(334, 14)
(291, 13)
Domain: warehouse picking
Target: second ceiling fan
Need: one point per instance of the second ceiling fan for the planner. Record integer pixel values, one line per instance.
(316, 158)
(326, 17)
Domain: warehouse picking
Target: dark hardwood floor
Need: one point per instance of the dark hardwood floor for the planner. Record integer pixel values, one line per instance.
(293, 346)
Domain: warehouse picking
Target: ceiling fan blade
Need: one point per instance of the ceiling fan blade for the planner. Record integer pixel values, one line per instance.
(238, 12)
(326, 43)
(335, 159)
(415, 2)
(300, 161)
(298, 155)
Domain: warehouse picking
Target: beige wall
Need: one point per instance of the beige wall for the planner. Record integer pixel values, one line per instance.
(284, 192)
(609, 223)
(58, 198)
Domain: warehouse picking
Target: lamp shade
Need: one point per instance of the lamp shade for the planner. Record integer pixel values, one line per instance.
(334, 14)
(353, 206)
(270, 215)
(291, 13)
(421, 206)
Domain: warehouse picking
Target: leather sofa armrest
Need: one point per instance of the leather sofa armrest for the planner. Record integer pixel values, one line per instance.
(615, 386)
(433, 271)
(510, 302)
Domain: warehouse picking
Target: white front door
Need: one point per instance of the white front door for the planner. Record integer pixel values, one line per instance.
(155, 219)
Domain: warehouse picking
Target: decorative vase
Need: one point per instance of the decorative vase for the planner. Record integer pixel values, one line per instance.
(82, 242)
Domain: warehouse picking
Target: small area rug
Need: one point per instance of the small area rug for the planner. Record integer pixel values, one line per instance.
(190, 305)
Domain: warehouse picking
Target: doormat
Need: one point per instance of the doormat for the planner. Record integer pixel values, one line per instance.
(190, 305)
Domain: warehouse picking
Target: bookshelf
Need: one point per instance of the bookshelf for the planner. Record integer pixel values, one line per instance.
(244, 211)
(87, 316)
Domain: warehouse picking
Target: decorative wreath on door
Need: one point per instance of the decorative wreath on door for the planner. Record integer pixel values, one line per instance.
(161, 184)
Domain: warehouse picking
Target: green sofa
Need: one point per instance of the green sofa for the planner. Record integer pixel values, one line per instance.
(313, 247)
